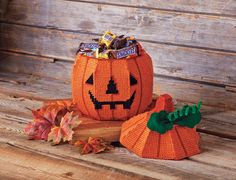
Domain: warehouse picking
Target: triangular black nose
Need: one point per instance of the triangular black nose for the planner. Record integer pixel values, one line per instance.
(111, 87)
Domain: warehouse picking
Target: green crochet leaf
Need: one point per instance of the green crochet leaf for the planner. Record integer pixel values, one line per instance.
(159, 122)
(188, 116)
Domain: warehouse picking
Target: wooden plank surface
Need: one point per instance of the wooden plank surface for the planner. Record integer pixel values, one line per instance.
(46, 88)
(193, 47)
(220, 123)
(216, 161)
(187, 63)
(195, 30)
(16, 111)
(3, 8)
(41, 42)
(192, 92)
(33, 87)
(216, 7)
(17, 163)
(35, 65)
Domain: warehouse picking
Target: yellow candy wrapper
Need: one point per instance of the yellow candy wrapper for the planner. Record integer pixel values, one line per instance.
(108, 38)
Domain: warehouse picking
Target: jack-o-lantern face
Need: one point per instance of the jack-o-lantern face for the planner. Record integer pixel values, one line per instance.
(112, 89)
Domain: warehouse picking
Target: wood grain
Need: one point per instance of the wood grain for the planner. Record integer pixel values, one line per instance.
(39, 66)
(200, 65)
(15, 114)
(193, 47)
(207, 165)
(46, 88)
(41, 42)
(18, 106)
(178, 28)
(16, 111)
(3, 8)
(216, 7)
(217, 159)
(192, 92)
(219, 123)
(33, 87)
(24, 164)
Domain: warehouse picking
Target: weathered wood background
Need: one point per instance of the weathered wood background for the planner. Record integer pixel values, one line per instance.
(193, 47)
(192, 43)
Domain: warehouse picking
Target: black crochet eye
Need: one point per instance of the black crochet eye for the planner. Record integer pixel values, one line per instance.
(132, 80)
(90, 80)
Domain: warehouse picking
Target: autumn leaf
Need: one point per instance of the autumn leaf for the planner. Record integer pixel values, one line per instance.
(64, 132)
(43, 120)
(93, 145)
(42, 123)
(84, 147)
(68, 105)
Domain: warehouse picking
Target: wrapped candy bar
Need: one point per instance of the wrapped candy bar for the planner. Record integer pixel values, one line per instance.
(88, 46)
(108, 38)
(87, 49)
(124, 52)
(104, 54)
(110, 46)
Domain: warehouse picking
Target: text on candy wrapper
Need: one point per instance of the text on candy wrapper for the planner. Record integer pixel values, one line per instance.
(124, 53)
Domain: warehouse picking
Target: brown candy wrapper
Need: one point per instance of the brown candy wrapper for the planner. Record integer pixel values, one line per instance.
(124, 52)
(119, 43)
(110, 46)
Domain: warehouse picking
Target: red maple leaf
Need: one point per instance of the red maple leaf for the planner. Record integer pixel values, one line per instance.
(50, 115)
(40, 127)
(43, 120)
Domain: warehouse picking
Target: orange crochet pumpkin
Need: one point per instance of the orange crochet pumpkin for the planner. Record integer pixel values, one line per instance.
(177, 143)
(112, 89)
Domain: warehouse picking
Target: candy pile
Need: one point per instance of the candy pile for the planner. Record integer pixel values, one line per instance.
(110, 46)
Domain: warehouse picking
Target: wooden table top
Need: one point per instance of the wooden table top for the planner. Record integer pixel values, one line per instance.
(24, 159)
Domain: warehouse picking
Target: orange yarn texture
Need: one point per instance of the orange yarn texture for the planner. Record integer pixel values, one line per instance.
(112, 89)
(164, 102)
(177, 143)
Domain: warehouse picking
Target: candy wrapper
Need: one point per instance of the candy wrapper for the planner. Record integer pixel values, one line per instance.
(110, 46)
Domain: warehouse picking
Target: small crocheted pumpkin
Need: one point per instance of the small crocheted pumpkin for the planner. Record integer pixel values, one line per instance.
(174, 142)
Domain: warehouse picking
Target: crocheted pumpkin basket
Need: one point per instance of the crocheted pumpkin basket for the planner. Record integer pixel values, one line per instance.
(177, 143)
(112, 89)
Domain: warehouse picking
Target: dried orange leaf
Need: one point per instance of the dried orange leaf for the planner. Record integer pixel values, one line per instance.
(66, 104)
(55, 135)
(93, 145)
(64, 132)
(50, 115)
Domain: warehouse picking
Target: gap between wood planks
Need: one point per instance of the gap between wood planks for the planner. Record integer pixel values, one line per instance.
(69, 64)
(154, 8)
(199, 65)
(48, 16)
(208, 160)
(16, 110)
(181, 29)
(44, 88)
(99, 34)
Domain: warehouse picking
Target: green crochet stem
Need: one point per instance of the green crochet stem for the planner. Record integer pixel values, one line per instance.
(188, 116)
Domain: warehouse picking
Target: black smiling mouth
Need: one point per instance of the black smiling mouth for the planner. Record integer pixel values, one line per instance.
(98, 104)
